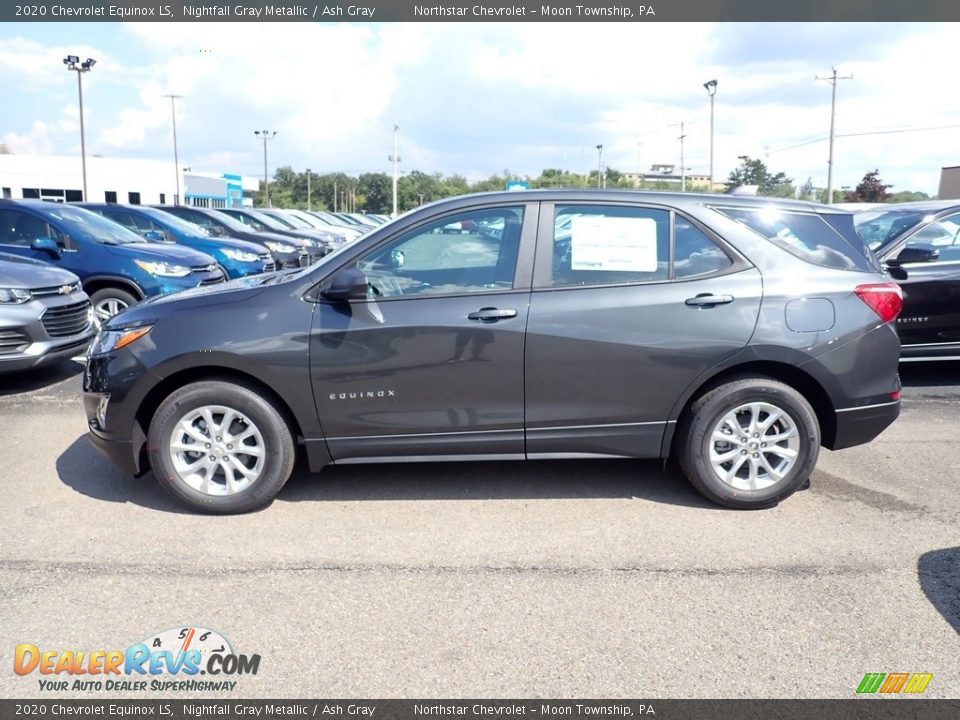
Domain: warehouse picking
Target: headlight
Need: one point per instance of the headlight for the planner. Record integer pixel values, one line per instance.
(163, 269)
(14, 295)
(279, 247)
(109, 340)
(240, 255)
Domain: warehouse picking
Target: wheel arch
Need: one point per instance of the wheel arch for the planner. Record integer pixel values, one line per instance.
(800, 380)
(159, 392)
(101, 282)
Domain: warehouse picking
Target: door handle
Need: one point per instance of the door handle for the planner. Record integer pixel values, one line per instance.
(491, 314)
(708, 299)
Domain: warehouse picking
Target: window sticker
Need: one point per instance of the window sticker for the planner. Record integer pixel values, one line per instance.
(613, 243)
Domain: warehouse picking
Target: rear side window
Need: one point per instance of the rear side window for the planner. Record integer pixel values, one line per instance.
(805, 235)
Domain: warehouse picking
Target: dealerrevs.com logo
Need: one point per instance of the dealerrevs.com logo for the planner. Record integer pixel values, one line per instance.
(184, 659)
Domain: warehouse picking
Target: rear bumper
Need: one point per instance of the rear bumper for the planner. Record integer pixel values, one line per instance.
(859, 425)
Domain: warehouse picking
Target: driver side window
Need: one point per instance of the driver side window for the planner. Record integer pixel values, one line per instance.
(942, 235)
(472, 252)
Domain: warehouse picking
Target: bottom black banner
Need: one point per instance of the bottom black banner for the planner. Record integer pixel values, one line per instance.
(860, 709)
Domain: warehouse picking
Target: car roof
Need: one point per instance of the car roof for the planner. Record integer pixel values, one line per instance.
(919, 205)
(650, 196)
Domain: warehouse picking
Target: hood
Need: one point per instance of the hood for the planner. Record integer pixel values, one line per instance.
(152, 308)
(27, 274)
(237, 244)
(166, 252)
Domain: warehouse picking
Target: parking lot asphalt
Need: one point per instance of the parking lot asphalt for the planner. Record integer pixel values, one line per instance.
(546, 579)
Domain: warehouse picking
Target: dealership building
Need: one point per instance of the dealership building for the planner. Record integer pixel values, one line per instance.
(132, 181)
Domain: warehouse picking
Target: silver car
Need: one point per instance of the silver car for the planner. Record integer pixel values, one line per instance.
(44, 314)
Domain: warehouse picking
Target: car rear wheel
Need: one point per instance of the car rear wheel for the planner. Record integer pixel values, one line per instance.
(749, 443)
(107, 302)
(220, 447)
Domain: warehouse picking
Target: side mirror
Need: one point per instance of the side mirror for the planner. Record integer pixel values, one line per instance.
(47, 245)
(916, 254)
(155, 236)
(216, 231)
(346, 285)
(396, 259)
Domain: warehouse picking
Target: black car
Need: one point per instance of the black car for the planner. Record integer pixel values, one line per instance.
(320, 243)
(735, 334)
(287, 253)
(919, 243)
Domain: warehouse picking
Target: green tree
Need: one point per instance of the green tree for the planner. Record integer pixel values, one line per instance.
(907, 196)
(754, 172)
(870, 190)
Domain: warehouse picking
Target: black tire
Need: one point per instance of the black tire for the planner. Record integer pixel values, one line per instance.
(277, 449)
(108, 294)
(704, 416)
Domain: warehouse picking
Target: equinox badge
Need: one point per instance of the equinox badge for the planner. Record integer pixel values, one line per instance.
(363, 394)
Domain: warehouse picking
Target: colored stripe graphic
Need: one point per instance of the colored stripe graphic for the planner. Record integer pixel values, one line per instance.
(918, 682)
(894, 682)
(871, 682)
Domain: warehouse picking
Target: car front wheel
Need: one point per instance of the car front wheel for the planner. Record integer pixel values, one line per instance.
(749, 443)
(220, 447)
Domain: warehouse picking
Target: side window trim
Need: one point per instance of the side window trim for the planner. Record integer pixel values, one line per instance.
(543, 266)
(523, 271)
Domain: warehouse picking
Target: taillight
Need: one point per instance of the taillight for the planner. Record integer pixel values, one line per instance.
(885, 299)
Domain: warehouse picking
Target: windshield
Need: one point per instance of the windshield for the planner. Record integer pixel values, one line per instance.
(293, 221)
(174, 222)
(227, 221)
(92, 226)
(879, 228)
(266, 220)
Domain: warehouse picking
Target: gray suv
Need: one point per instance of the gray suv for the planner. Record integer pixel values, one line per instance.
(44, 315)
(737, 335)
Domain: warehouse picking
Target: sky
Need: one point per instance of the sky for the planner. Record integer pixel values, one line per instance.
(476, 99)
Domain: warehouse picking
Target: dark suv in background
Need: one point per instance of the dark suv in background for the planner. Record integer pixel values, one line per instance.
(737, 335)
(118, 268)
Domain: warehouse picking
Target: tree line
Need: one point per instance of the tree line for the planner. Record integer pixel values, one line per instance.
(373, 192)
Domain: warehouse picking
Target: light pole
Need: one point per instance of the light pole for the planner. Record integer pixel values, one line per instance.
(599, 164)
(395, 158)
(711, 87)
(266, 135)
(176, 159)
(308, 190)
(73, 63)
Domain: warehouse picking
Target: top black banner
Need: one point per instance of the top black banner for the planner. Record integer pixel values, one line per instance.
(490, 11)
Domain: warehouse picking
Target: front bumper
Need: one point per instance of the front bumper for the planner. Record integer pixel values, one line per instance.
(122, 452)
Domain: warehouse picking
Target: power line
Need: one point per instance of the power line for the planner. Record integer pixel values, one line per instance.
(866, 133)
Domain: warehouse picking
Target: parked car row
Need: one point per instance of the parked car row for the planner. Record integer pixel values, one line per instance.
(113, 256)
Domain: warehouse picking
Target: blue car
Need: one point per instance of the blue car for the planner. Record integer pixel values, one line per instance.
(117, 268)
(236, 258)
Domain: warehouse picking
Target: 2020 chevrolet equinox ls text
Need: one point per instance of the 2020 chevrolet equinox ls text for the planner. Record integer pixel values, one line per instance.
(735, 334)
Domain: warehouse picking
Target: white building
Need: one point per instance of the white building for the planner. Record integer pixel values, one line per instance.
(118, 180)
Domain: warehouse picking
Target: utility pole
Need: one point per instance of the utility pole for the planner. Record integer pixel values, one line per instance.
(683, 165)
(711, 87)
(266, 135)
(308, 190)
(832, 79)
(176, 159)
(334, 195)
(395, 158)
(599, 164)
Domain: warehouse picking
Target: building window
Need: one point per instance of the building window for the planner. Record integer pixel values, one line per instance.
(31, 193)
(51, 194)
(6, 193)
(163, 198)
(74, 196)
(133, 198)
(110, 196)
